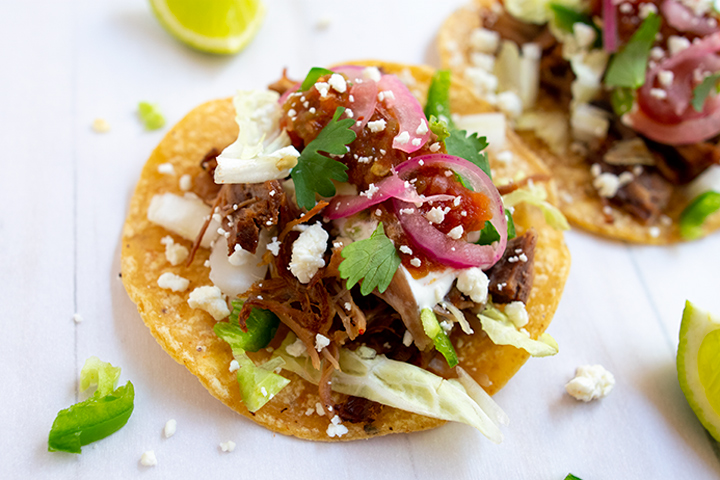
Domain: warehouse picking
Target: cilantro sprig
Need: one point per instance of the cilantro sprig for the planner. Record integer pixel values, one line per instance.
(314, 171)
(469, 146)
(709, 86)
(312, 77)
(374, 260)
(627, 67)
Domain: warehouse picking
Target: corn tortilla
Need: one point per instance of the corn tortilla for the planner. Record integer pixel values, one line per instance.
(577, 198)
(187, 334)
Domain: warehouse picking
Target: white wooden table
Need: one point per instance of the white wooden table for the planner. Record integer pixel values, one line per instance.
(64, 190)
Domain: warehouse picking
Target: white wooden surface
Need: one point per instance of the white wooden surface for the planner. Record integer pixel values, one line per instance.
(64, 191)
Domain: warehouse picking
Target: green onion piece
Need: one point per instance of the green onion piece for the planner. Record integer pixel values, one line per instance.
(91, 420)
(439, 128)
(150, 116)
(570, 476)
(622, 100)
(312, 77)
(566, 17)
(439, 337)
(438, 99)
(694, 215)
(627, 67)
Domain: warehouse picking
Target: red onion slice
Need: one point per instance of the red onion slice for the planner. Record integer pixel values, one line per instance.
(610, 36)
(414, 129)
(682, 133)
(683, 19)
(363, 92)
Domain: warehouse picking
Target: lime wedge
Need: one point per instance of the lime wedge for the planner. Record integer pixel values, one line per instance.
(698, 365)
(218, 26)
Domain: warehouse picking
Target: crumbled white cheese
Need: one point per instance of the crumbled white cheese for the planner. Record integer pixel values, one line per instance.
(584, 34)
(698, 7)
(148, 459)
(321, 341)
(483, 81)
(323, 23)
(658, 93)
(297, 348)
(307, 253)
(170, 428)
(407, 338)
(474, 283)
(337, 82)
(677, 44)
(77, 318)
(646, 9)
(100, 125)
(185, 182)
(483, 61)
(422, 128)
(372, 73)
(415, 262)
(435, 215)
(319, 409)
(654, 232)
(517, 314)
(656, 53)
(166, 169)
(170, 281)
(590, 382)
(210, 299)
(274, 246)
(228, 446)
(406, 250)
(665, 77)
(372, 190)
(484, 40)
(386, 94)
(402, 138)
(322, 88)
(174, 252)
(377, 125)
(234, 366)
(456, 232)
(336, 428)
(509, 103)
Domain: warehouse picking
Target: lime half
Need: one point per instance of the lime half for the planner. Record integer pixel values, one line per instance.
(217, 26)
(698, 365)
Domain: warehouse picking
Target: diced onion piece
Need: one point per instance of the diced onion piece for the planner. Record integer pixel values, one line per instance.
(589, 122)
(490, 125)
(184, 216)
(550, 127)
(707, 181)
(235, 275)
(529, 74)
(507, 67)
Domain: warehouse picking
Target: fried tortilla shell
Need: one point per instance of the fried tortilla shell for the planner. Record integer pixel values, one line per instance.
(187, 334)
(577, 198)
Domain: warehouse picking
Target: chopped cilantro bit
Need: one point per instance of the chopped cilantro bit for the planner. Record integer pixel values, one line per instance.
(374, 260)
(510, 225)
(439, 337)
(261, 327)
(150, 116)
(439, 128)
(488, 234)
(438, 99)
(314, 171)
(312, 77)
(709, 86)
(694, 215)
(469, 147)
(570, 476)
(627, 67)
(622, 100)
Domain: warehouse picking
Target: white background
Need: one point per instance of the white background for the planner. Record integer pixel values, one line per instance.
(64, 191)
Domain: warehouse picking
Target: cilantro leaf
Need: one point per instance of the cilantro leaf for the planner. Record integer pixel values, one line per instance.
(622, 100)
(510, 225)
(566, 17)
(469, 147)
(439, 128)
(312, 77)
(627, 67)
(374, 260)
(314, 170)
(709, 86)
(488, 234)
(438, 99)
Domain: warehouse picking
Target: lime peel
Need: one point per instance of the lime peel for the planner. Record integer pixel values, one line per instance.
(221, 26)
(698, 365)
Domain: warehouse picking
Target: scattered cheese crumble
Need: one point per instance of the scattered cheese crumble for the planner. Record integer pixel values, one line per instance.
(174, 252)
(166, 168)
(185, 182)
(228, 446)
(77, 318)
(474, 283)
(148, 459)
(100, 125)
(338, 83)
(517, 314)
(336, 428)
(321, 341)
(590, 382)
(297, 348)
(307, 253)
(377, 125)
(210, 299)
(170, 281)
(170, 428)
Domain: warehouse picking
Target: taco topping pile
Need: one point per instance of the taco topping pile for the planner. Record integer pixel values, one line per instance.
(637, 80)
(359, 241)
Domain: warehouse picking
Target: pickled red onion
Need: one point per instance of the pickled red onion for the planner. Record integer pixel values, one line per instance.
(610, 36)
(363, 92)
(414, 129)
(683, 19)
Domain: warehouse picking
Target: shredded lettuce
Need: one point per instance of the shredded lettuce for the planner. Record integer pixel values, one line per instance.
(535, 195)
(502, 332)
(95, 372)
(407, 387)
(262, 151)
(258, 384)
(439, 337)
